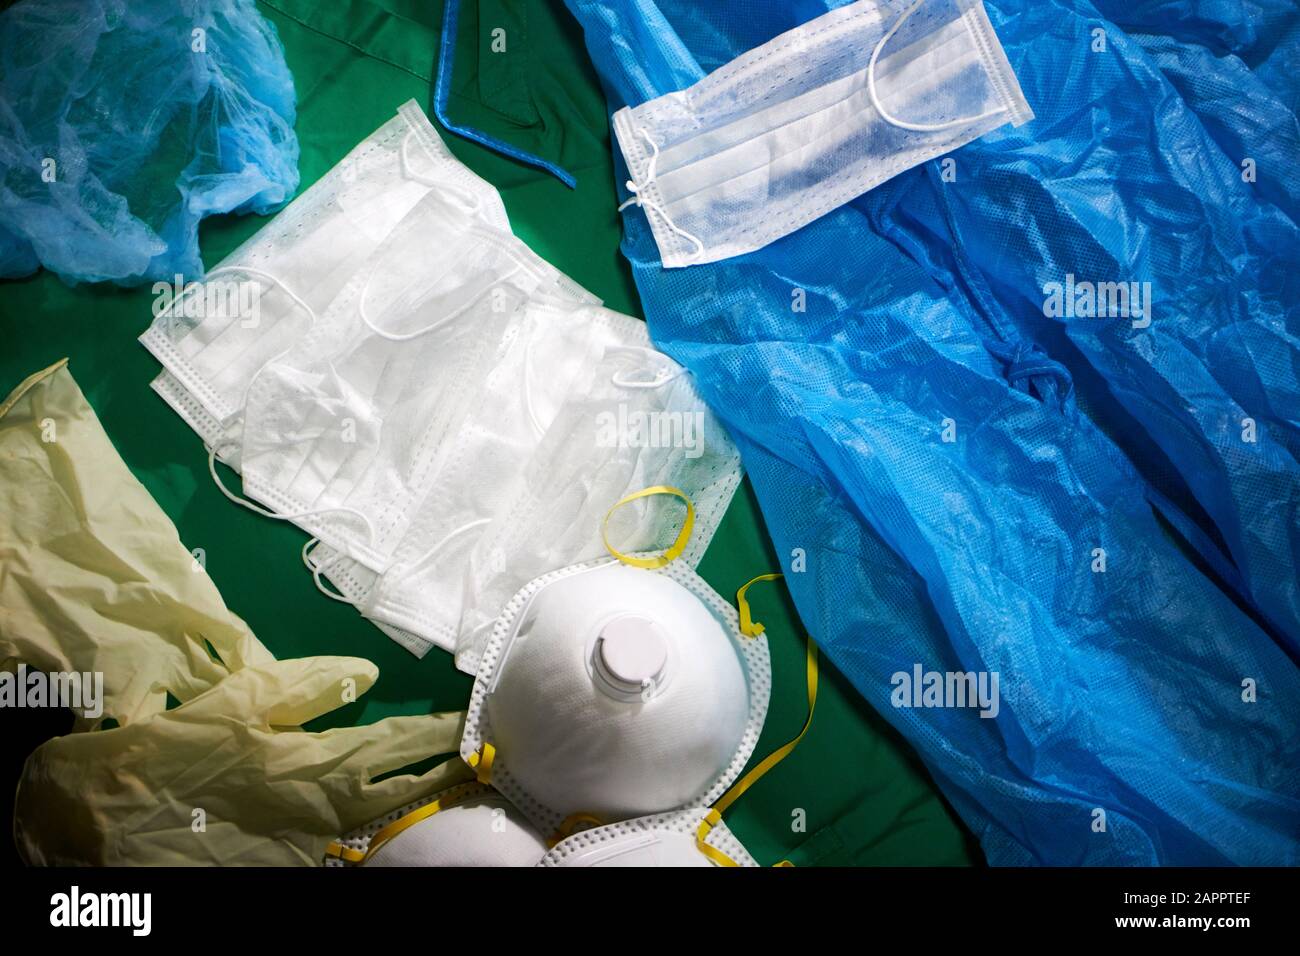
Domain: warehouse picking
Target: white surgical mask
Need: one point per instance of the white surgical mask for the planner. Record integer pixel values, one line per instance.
(609, 692)
(811, 119)
(593, 414)
(346, 432)
(283, 278)
(651, 429)
(466, 825)
(553, 354)
(662, 839)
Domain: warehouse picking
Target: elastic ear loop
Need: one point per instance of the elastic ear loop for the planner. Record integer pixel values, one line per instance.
(258, 509)
(657, 382)
(638, 195)
(439, 323)
(246, 270)
(751, 628)
(449, 798)
(529, 405)
(895, 121)
(674, 550)
(409, 171)
(468, 525)
(318, 569)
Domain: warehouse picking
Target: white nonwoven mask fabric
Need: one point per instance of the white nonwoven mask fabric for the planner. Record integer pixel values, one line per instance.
(659, 840)
(550, 356)
(215, 336)
(577, 412)
(348, 430)
(811, 119)
(640, 424)
(610, 692)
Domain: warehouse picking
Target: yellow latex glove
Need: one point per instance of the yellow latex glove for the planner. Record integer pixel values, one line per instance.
(93, 577)
(229, 778)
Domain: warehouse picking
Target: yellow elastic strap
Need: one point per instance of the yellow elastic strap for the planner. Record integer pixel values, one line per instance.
(774, 758)
(712, 819)
(448, 798)
(766, 764)
(345, 853)
(678, 546)
(481, 761)
(748, 626)
(570, 824)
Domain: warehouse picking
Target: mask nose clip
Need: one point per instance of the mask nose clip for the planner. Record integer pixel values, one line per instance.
(629, 660)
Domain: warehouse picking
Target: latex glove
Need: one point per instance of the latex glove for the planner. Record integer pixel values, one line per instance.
(93, 577)
(229, 778)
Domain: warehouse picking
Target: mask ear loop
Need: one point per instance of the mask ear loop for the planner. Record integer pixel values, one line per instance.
(472, 199)
(251, 271)
(245, 270)
(449, 536)
(265, 513)
(674, 550)
(894, 120)
(475, 204)
(751, 629)
(318, 569)
(657, 382)
(638, 196)
(529, 405)
(437, 324)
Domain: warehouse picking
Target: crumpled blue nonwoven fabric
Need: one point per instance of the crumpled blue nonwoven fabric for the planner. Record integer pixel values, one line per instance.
(966, 484)
(124, 122)
(1188, 201)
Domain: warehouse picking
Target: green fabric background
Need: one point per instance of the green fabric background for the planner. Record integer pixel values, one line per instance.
(861, 794)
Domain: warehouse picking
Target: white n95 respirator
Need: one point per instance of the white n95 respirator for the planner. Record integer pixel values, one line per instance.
(466, 825)
(610, 692)
(684, 838)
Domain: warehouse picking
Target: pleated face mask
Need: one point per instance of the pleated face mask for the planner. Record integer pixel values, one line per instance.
(214, 338)
(609, 692)
(815, 117)
(580, 413)
(604, 446)
(557, 352)
(347, 431)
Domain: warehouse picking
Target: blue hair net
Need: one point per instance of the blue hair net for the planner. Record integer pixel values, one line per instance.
(122, 124)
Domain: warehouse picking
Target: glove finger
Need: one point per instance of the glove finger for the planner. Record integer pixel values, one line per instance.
(313, 686)
(398, 742)
(237, 645)
(285, 693)
(391, 745)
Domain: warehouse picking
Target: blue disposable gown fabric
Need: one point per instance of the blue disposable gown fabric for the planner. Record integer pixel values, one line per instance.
(124, 122)
(975, 486)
